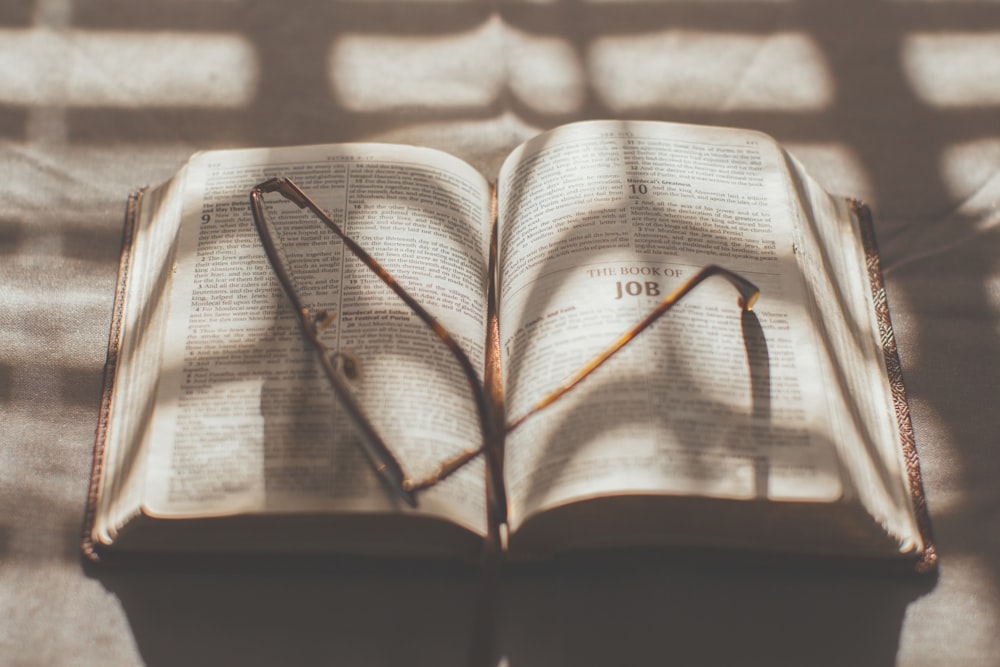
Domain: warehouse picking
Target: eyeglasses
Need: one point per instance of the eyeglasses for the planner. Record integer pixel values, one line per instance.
(341, 367)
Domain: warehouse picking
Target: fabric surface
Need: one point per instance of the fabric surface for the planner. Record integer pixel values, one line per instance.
(895, 102)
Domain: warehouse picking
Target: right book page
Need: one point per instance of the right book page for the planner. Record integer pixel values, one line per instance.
(780, 413)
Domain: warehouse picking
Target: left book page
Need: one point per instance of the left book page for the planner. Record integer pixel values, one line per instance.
(240, 422)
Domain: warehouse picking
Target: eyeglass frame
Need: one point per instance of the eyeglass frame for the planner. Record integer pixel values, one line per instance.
(493, 431)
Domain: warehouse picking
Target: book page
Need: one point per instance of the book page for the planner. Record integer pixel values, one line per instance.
(137, 340)
(245, 421)
(599, 222)
(834, 258)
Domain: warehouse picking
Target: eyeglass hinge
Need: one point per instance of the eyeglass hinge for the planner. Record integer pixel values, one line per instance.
(287, 189)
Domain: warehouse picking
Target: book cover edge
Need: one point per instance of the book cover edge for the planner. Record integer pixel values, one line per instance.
(927, 560)
(89, 548)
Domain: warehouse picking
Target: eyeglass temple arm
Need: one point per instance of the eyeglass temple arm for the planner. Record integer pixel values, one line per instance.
(293, 193)
(270, 249)
(374, 447)
(748, 297)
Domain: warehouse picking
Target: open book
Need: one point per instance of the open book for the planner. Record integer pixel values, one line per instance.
(781, 429)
